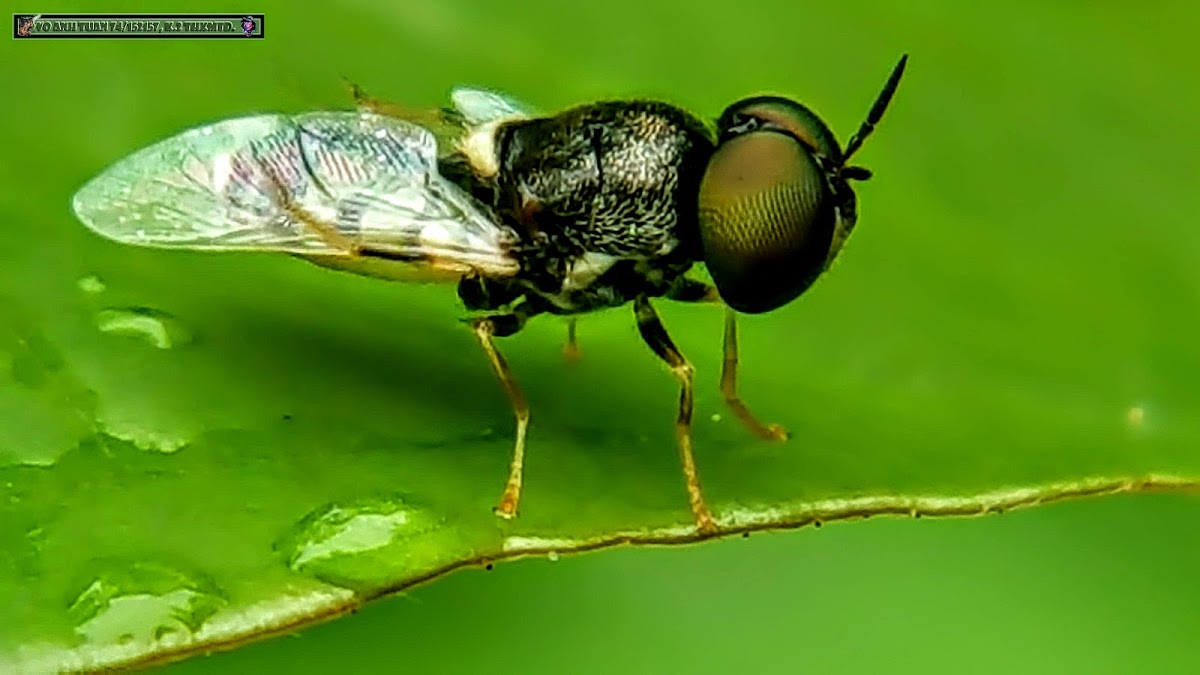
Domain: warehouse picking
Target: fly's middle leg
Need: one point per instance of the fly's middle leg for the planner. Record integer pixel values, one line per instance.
(655, 335)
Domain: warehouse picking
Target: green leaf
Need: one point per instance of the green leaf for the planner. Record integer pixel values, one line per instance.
(196, 450)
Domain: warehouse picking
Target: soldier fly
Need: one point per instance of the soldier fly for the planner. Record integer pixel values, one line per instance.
(597, 206)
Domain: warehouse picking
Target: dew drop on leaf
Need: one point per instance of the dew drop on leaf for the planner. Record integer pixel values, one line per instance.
(366, 542)
(156, 327)
(91, 284)
(144, 603)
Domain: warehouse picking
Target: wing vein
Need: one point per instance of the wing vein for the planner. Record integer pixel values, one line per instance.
(315, 184)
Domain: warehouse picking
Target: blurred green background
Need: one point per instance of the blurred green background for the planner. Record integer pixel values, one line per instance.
(1031, 219)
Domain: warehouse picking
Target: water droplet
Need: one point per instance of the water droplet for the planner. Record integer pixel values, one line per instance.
(91, 284)
(1135, 417)
(716, 417)
(145, 439)
(371, 542)
(144, 602)
(552, 556)
(156, 327)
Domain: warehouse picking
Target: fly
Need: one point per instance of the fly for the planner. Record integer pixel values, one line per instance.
(600, 205)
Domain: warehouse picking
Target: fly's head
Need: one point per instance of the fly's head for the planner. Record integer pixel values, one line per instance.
(775, 202)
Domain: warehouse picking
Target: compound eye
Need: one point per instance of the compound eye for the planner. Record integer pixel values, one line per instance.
(766, 219)
(780, 113)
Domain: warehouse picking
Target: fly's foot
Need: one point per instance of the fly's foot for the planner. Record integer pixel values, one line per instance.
(768, 432)
(777, 432)
(705, 525)
(507, 507)
(571, 353)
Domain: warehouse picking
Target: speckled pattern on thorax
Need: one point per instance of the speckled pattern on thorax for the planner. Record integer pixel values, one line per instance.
(602, 184)
(617, 178)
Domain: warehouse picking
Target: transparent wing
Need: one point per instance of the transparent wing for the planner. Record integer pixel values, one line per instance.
(326, 185)
(480, 106)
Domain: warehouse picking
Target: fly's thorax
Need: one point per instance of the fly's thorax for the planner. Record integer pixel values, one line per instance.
(617, 177)
(603, 197)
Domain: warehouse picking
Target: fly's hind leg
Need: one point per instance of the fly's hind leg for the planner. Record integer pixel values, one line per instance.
(367, 103)
(571, 349)
(486, 329)
(655, 335)
(690, 290)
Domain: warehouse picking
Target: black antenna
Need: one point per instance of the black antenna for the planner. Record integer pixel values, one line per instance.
(881, 104)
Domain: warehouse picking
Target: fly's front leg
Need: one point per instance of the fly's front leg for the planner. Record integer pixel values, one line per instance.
(655, 335)
(771, 432)
(689, 290)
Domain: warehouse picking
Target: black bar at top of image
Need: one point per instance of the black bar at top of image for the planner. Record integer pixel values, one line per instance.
(260, 19)
(138, 16)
